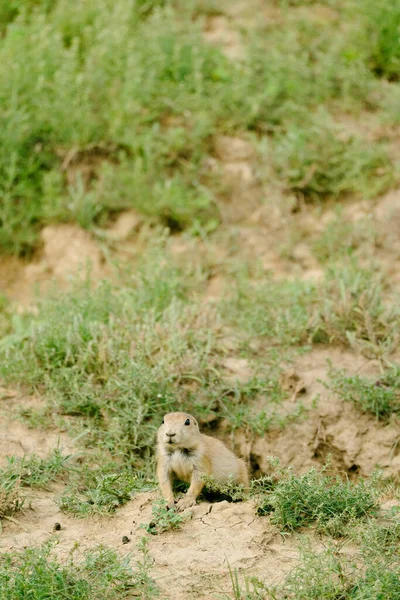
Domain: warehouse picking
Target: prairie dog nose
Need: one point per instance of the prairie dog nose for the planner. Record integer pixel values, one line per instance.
(171, 435)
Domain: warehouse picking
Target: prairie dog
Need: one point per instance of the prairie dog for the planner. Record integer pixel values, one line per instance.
(186, 454)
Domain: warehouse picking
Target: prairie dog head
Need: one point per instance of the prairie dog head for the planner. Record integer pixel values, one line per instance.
(178, 430)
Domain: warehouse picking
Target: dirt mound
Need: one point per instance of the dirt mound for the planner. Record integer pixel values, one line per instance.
(193, 561)
(358, 443)
(67, 249)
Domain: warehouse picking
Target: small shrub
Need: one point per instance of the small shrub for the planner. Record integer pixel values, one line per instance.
(350, 310)
(229, 490)
(317, 163)
(380, 541)
(315, 498)
(319, 576)
(342, 238)
(164, 519)
(380, 581)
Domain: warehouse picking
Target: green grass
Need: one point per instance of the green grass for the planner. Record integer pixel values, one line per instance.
(100, 493)
(343, 239)
(36, 574)
(28, 471)
(345, 307)
(378, 396)
(108, 106)
(382, 27)
(314, 498)
(119, 356)
(85, 131)
(320, 162)
(326, 574)
(111, 364)
(33, 471)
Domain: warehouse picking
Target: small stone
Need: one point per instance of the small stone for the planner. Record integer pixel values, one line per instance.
(57, 526)
(125, 539)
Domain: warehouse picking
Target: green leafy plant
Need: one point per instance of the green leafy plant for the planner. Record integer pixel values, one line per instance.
(315, 498)
(377, 396)
(164, 519)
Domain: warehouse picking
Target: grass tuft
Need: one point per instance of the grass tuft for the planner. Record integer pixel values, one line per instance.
(35, 574)
(101, 496)
(317, 163)
(315, 498)
(379, 397)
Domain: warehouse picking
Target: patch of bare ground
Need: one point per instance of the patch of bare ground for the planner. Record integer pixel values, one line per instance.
(235, 165)
(66, 251)
(358, 443)
(17, 438)
(254, 13)
(218, 31)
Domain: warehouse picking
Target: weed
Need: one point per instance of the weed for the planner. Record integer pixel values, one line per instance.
(350, 310)
(112, 363)
(11, 496)
(329, 502)
(382, 23)
(342, 238)
(164, 519)
(143, 581)
(276, 310)
(320, 576)
(27, 471)
(33, 471)
(253, 588)
(85, 91)
(379, 581)
(317, 163)
(378, 540)
(379, 397)
(102, 496)
(35, 574)
(329, 574)
(346, 306)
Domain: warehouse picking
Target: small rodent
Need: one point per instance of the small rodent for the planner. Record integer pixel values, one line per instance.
(186, 454)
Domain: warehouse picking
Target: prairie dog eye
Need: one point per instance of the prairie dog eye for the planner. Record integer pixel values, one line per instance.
(162, 421)
(187, 422)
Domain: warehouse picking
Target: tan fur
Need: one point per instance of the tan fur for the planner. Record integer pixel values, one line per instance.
(186, 454)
